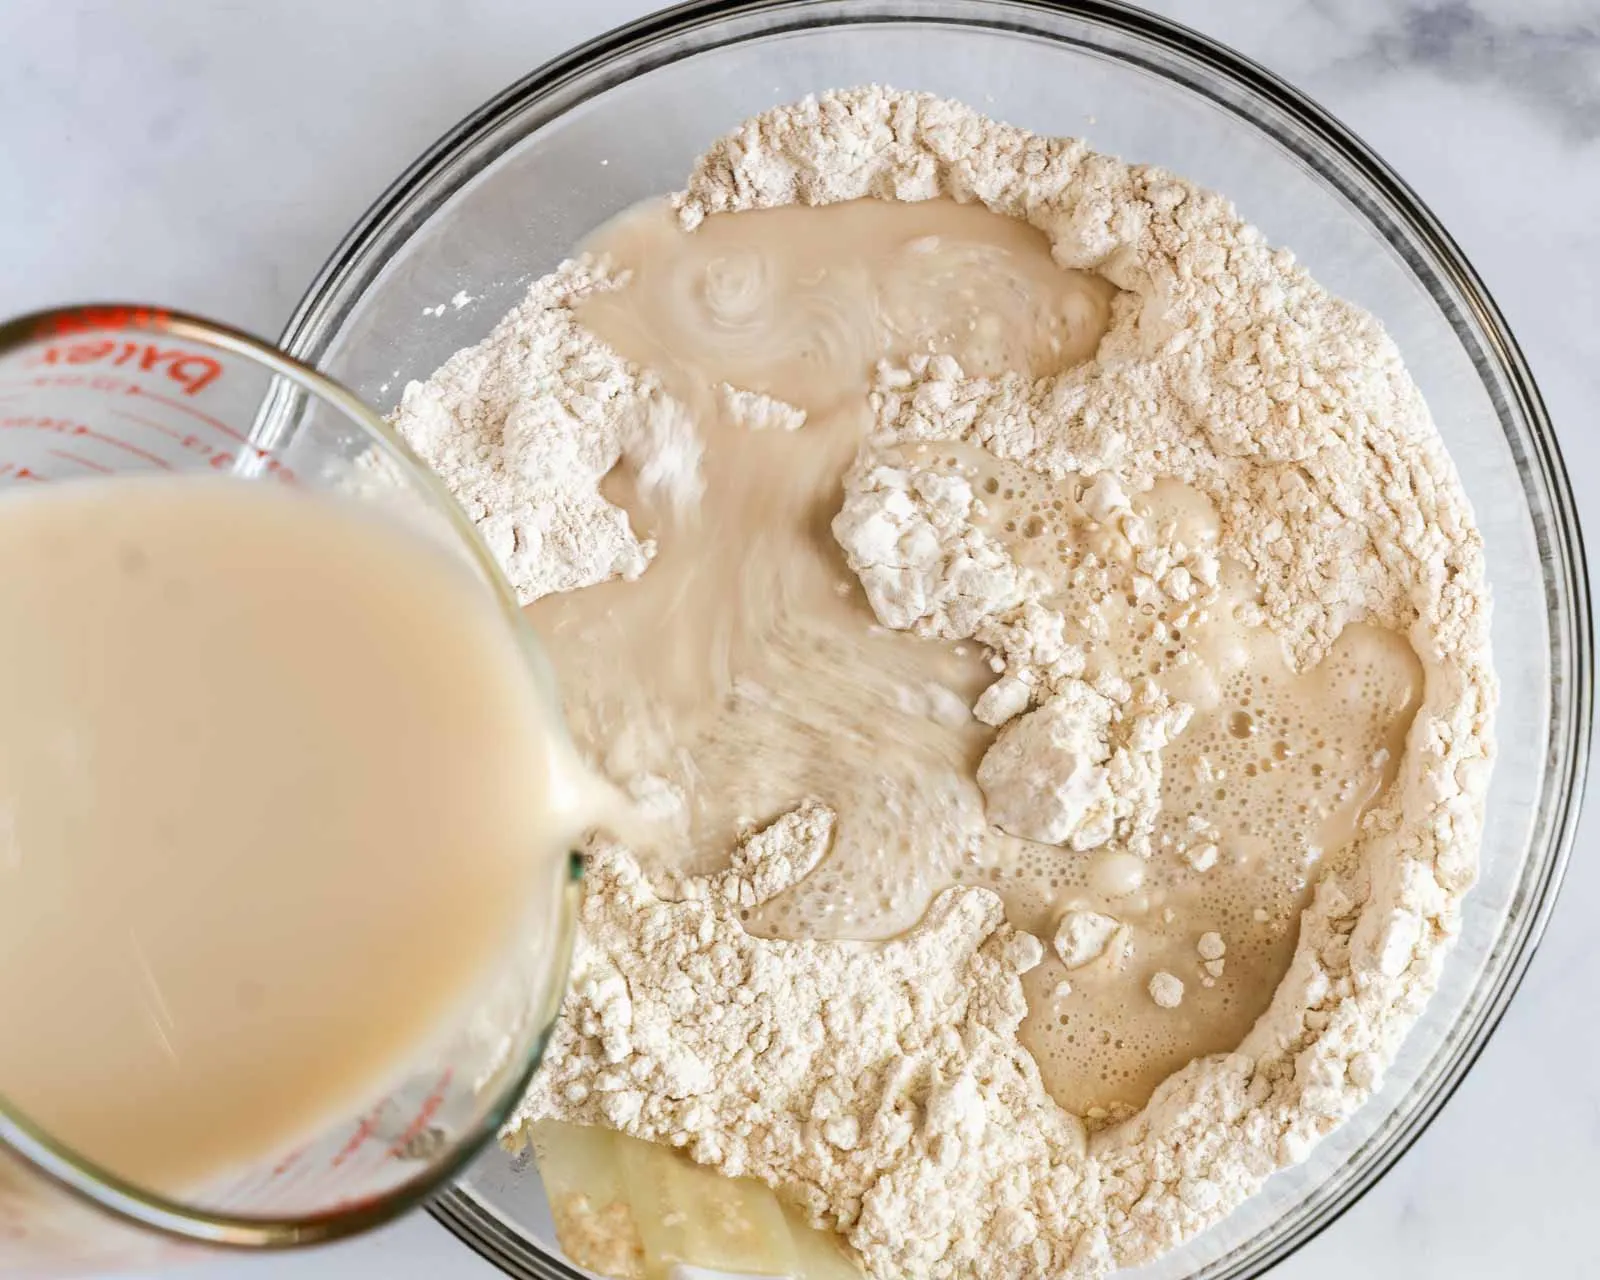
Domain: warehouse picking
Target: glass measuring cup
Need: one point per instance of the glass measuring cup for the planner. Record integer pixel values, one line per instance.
(93, 391)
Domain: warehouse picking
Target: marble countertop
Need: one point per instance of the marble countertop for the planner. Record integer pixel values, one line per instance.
(210, 156)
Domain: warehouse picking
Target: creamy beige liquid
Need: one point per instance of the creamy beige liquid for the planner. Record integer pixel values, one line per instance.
(745, 666)
(746, 670)
(276, 791)
(1273, 773)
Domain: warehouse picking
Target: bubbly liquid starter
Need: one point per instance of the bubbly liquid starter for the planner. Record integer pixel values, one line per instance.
(746, 671)
(276, 792)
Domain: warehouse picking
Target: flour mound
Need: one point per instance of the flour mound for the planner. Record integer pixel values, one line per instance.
(859, 1076)
(523, 426)
(882, 1085)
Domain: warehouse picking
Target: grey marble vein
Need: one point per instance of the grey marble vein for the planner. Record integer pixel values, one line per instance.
(1549, 62)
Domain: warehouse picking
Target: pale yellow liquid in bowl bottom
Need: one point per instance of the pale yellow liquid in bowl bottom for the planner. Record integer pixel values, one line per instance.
(277, 789)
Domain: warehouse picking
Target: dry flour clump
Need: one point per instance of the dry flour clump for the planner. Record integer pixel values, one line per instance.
(909, 536)
(1085, 936)
(1085, 765)
(1082, 767)
(523, 426)
(882, 1085)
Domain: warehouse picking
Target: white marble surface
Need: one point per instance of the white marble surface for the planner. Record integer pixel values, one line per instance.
(209, 157)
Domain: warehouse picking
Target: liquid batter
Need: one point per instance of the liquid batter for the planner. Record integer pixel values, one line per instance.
(276, 792)
(745, 670)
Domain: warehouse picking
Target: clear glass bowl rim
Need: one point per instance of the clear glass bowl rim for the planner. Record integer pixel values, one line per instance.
(1305, 129)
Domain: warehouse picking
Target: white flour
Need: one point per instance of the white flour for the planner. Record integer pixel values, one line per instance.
(523, 426)
(883, 1085)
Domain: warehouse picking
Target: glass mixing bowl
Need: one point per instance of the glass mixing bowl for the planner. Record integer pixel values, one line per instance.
(506, 195)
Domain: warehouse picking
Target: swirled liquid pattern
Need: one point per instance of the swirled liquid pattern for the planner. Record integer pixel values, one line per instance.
(745, 670)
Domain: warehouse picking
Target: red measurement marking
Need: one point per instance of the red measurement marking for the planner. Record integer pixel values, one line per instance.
(364, 1130)
(69, 427)
(82, 462)
(218, 458)
(148, 422)
(15, 472)
(117, 386)
(97, 383)
(288, 1162)
(86, 319)
(426, 1112)
(192, 370)
(134, 389)
(188, 440)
